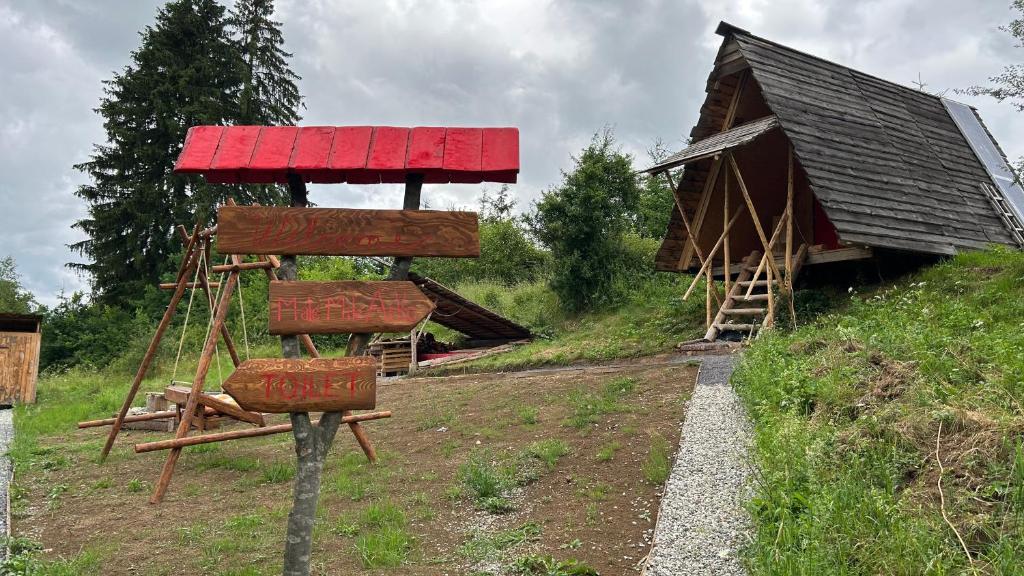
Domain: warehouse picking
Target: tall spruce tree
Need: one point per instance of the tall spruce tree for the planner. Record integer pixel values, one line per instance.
(190, 69)
(269, 94)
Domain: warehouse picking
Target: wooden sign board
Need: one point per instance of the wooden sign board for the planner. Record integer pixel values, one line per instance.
(346, 232)
(346, 307)
(281, 385)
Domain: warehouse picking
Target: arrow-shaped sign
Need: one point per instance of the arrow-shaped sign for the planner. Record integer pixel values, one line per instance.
(346, 307)
(281, 385)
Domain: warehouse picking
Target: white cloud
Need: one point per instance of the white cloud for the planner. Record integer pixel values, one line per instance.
(558, 69)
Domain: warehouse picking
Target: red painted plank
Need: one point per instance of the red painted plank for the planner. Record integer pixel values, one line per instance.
(269, 162)
(200, 146)
(351, 147)
(388, 152)
(426, 154)
(311, 152)
(462, 147)
(234, 152)
(499, 159)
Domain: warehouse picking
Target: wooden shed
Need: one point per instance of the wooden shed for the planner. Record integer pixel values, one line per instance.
(797, 161)
(20, 338)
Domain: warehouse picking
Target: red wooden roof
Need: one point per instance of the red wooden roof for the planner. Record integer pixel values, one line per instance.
(353, 154)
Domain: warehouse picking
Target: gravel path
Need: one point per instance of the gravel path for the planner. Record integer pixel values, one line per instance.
(702, 524)
(6, 435)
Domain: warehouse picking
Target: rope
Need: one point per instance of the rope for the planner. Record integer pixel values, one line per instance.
(241, 307)
(209, 327)
(188, 312)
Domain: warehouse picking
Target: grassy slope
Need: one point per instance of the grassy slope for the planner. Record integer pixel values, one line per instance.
(653, 320)
(848, 412)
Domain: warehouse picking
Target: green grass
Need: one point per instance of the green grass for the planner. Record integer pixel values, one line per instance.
(547, 451)
(487, 482)
(588, 407)
(483, 546)
(847, 414)
(27, 557)
(607, 451)
(527, 414)
(657, 465)
(278, 472)
(384, 541)
(653, 320)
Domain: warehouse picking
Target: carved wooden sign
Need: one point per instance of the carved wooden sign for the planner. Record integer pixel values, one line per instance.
(346, 232)
(281, 385)
(346, 307)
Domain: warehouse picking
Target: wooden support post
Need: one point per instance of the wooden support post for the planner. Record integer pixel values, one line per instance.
(188, 261)
(207, 286)
(763, 262)
(753, 212)
(770, 318)
(725, 245)
(707, 263)
(690, 247)
(689, 232)
(205, 358)
(789, 219)
(135, 418)
(707, 298)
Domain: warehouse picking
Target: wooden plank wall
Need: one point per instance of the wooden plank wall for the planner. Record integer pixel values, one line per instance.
(19, 366)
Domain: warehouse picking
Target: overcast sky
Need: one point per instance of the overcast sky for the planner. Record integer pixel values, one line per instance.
(559, 70)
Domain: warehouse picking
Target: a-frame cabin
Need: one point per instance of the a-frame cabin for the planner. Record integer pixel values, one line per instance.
(813, 162)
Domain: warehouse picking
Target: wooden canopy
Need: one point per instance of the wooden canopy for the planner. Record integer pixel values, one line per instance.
(462, 315)
(353, 154)
(881, 165)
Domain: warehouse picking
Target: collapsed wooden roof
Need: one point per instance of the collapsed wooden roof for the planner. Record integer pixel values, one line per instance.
(462, 315)
(887, 163)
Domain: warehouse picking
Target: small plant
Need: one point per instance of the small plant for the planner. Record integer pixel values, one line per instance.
(481, 476)
(278, 472)
(657, 466)
(345, 528)
(587, 407)
(496, 504)
(102, 484)
(607, 451)
(547, 451)
(386, 543)
(483, 545)
(547, 566)
(528, 414)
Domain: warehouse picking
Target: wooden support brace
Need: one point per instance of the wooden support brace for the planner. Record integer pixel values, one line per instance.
(707, 263)
(188, 261)
(753, 211)
(179, 443)
(689, 232)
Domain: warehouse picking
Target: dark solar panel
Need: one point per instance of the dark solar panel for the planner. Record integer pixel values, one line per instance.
(986, 151)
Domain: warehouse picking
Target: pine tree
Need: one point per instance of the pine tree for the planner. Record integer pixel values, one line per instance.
(190, 69)
(269, 94)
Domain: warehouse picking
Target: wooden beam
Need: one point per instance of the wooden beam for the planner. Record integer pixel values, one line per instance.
(205, 358)
(725, 246)
(179, 443)
(714, 250)
(753, 211)
(686, 224)
(188, 261)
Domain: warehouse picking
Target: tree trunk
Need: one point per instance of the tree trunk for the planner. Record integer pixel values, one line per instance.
(313, 442)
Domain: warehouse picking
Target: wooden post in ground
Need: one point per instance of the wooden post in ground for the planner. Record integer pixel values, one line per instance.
(189, 260)
(753, 212)
(689, 232)
(707, 298)
(789, 237)
(725, 246)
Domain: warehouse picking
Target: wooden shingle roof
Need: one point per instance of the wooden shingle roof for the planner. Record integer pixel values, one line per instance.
(465, 316)
(887, 163)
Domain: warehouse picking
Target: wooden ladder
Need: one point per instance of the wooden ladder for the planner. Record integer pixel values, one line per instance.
(742, 313)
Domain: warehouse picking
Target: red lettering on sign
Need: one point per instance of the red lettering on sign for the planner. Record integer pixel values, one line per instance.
(289, 385)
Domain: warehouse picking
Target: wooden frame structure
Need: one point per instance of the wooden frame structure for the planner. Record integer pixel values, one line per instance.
(197, 404)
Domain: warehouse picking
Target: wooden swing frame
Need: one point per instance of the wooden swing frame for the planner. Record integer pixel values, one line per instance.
(199, 405)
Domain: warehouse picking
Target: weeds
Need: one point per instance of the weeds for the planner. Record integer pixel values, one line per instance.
(587, 407)
(657, 465)
(385, 542)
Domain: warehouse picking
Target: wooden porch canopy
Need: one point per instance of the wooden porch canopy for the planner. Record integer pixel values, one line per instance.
(353, 154)
(733, 138)
(462, 315)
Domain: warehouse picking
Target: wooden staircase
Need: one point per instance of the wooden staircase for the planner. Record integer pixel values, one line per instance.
(741, 312)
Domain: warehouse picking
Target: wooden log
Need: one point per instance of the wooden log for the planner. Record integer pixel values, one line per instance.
(263, 265)
(173, 285)
(346, 307)
(753, 211)
(689, 232)
(205, 358)
(132, 418)
(189, 259)
(207, 289)
(178, 443)
(347, 232)
(714, 250)
(280, 385)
